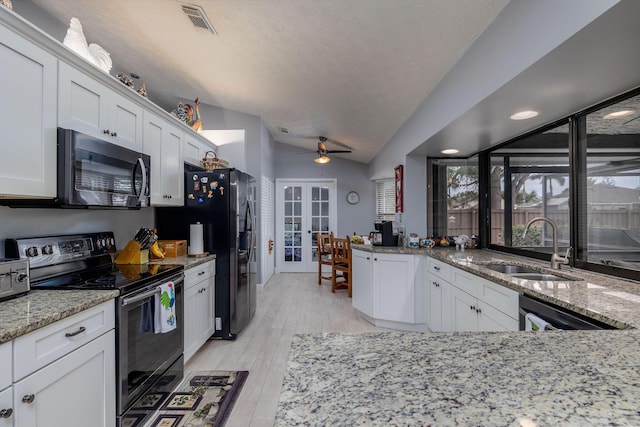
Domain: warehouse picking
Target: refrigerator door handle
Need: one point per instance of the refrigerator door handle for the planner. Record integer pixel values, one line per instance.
(250, 219)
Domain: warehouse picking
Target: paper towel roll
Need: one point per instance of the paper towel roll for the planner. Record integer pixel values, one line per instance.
(196, 240)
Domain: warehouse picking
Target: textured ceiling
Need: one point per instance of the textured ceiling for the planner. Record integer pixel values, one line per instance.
(350, 70)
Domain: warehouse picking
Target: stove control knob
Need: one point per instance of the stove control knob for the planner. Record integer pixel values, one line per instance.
(47, 250)
(112, 241)
(32, 251)
(21, 277)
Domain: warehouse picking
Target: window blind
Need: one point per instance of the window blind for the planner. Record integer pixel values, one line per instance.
(385, 199)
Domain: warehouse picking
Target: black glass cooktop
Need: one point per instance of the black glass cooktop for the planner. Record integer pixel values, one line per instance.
(125, 278)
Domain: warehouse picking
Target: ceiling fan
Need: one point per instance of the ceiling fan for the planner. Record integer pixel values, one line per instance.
(322, 151)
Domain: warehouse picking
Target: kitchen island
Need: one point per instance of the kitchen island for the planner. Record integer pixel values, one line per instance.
(575, 378)
(568, 378)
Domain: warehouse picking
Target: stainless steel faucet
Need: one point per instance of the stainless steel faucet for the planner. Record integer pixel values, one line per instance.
(556, 260)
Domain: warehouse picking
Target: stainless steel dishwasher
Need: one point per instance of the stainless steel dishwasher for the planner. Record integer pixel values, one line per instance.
(558, 318)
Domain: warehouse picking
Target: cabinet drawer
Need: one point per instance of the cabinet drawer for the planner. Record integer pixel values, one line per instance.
(42, 346)
(199, 273)
(440, 269)
(6, 362)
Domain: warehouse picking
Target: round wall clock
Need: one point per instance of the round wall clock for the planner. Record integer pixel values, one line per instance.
(353, 197)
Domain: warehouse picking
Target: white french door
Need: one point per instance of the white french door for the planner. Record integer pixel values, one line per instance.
(303, 208)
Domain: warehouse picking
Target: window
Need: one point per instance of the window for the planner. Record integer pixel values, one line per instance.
(385, 199)
(455, 197)
(610, 194)
(529, 178)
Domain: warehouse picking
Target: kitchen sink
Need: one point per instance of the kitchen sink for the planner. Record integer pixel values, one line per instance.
(524, 272)
(509, 268)
(543, 277)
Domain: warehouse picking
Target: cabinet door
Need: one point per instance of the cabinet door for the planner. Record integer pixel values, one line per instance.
(463, 311)
(163, 143)
(492, 320)
(82, 103)
(76, 390)
(6, 408)
(125, 122)
(393, 281)
(205, 311)
(191, 345)
(362, 285)
(195, 149)
(28, 84)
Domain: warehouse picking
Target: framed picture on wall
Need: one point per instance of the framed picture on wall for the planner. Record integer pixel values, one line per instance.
(399, 177)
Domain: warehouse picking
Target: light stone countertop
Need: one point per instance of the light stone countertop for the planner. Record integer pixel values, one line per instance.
(563, 378)
(40, 308)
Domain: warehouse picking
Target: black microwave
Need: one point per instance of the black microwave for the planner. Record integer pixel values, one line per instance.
(93, 173)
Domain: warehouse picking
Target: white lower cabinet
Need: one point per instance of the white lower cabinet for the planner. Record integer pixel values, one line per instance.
(76, 390)
(199, 306)
(362, 286)
(388, 290)
(460, 301)
(439, 294)
(64, 373)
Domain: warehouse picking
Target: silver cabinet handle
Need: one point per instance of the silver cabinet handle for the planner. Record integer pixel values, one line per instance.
(6, 413)
(80, 330)
(201, 273)
(435, 267)
(28, 398)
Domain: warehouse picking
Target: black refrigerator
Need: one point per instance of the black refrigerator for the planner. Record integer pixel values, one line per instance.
(223, 201)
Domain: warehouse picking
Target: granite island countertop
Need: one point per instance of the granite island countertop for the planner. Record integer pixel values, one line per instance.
(564, 378)
(39, 308)
(187, 261)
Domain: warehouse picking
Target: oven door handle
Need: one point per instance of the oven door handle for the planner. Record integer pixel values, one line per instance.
(144, 295)
(156, 290)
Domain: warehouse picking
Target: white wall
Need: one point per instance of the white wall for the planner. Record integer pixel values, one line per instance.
(295, 162)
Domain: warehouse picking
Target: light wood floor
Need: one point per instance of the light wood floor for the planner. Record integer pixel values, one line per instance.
(290, 303)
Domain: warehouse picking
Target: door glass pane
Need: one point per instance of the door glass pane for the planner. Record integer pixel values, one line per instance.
(288, 210)
(613, 185)
(315, 193)
(288, 193)
(297, 208)
(324, 225)
(297, 193)
(325, 209)
(325, 193)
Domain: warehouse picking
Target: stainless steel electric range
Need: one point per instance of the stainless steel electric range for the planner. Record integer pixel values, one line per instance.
(148, 362)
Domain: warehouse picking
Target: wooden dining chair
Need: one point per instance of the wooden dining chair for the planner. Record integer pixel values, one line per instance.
(341, 264)
(324, 255)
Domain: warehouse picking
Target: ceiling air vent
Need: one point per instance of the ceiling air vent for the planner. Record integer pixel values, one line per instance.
(198, 17)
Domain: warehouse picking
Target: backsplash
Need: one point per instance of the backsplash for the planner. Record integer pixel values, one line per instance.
(26, 222)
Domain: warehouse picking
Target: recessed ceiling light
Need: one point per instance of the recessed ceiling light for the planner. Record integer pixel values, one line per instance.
(618, 114)
(450, 151)
(523, 115)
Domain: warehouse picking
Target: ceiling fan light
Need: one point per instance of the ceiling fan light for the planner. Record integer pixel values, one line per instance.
(322, 159)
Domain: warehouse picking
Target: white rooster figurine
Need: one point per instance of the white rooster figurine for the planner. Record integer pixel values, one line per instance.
(94, 53)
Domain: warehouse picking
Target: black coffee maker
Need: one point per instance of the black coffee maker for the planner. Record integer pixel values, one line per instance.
(383, 236)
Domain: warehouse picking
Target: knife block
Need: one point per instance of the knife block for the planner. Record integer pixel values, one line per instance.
(133, 254)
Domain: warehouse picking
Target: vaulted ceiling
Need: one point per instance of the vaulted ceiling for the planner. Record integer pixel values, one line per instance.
(351, 70)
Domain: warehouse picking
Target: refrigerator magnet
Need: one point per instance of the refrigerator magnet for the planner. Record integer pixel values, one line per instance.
(222, 191)
(214, 185)
(195, 177)
(190, 196)
(196, 186)
(204, 179)
(210, 194)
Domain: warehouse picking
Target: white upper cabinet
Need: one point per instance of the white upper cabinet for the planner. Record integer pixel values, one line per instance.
(194, 149)
(89, 107)
(27, 118)
(163, 142)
